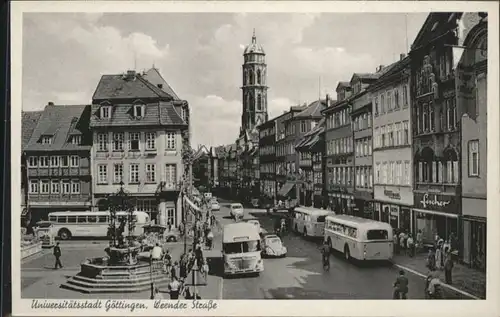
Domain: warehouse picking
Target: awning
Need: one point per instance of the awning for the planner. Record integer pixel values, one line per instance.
(191, 204)
(285, 190)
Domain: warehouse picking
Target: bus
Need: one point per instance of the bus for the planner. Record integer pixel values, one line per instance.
(68, 224)
(310, 222)
(359, 238)
(241, 249)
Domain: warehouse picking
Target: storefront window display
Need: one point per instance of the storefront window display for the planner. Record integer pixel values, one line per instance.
(405, 219)
(432, 224)
(376, 212)
(474, 251)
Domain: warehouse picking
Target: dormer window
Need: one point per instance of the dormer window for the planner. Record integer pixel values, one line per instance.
(105, 112)
(138, 111)
(46, 139)
(76, 139)
(183, 113)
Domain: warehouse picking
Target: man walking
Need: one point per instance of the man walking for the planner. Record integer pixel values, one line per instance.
(57, 254)
(448, 266)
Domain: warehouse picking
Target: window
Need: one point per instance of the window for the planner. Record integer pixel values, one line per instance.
(151, 173)
(102, 142)
(103, 174)
(171, 175)
(75, 187)
(134, 141)
(390, 135)
(398, 140)
(170, 140)
(406, 139)
(382, 103)
(64, 161)
(75, 161)
(425, 117)
(474, 158)
(117, 173)
(405, 95)
(406, 177)
(389, 100)
(46, 139)
(44, 186)
(54, 187)
(431, 116)
(76, 139)
(138, 111)
(451, 114)
(150, 141)
(134, 173)
(375, 103)
(382, 134)
(118, 138)
(171, 215)
(396, 99)
(105, 112)
(33, 186)
(33, 161)
(66, 187)
(44, 161)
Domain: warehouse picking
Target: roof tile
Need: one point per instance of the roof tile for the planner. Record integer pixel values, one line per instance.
(154, 77)
(121, 87)
(28, 125)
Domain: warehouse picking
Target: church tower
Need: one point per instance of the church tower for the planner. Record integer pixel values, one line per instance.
(254, 86)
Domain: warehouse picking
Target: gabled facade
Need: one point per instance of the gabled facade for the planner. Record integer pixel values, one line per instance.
(58, 161)
(202, 168)
(139, 134)
(267, 159)
(437, 148)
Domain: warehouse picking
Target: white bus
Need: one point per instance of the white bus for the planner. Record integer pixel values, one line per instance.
(310, 222)
(241, 249)
(68, 224)
(359, 238)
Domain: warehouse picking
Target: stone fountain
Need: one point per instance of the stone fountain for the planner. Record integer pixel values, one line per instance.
(120, 271)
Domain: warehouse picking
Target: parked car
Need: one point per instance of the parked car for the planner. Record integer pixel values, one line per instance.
(272, 246)
(215, 206)
(256, 223)
(44, 230)
(236, 211)
(163, 233)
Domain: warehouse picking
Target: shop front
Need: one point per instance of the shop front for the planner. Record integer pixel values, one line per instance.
(363, 204)
(436, 214)
(474, 232)
(393, 205)
(318, 200)
(341, 203)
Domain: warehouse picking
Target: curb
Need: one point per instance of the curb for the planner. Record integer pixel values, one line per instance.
(443, 284)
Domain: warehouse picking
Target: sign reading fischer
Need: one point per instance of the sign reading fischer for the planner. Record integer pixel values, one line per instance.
(436, 202)
(392, 195)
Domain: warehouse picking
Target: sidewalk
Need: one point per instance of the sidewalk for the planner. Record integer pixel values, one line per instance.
(464, 279)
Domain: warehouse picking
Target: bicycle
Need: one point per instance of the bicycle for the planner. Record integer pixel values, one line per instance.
(326, 263)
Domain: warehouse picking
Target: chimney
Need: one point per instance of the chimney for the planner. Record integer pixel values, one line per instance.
(402, 56)
(130, 74)
(379, 68)
(50, 103)
(327, 100)
(160, 86)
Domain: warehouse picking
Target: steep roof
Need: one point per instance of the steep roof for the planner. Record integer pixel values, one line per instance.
(60, 122)
(28, 125)
(311, 138)
(161, 113)
(132, 86)
(313, 110)
(201, 152)
(153, 76)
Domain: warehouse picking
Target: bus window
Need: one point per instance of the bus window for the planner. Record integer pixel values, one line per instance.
(232, 248)
(103, 219)
(321, 219)
(251, 246)
(61, 219)
(71, 219)
(82, 219)
(53, 218)
(92, 219)
(377, 235)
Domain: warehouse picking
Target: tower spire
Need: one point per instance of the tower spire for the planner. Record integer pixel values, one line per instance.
(254, 38)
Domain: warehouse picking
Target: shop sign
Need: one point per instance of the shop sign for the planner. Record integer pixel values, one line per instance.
(436, 202)
(392, 195)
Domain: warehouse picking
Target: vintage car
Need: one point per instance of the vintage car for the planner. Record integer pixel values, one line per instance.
(272, 246)
(215, 205)
(44, 231)
(236, 211)
(256, 223)
(162, 231)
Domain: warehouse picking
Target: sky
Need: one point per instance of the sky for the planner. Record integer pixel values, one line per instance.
(200, 56)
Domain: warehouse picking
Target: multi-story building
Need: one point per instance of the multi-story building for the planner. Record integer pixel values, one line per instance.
(28, 125)
(339, 180)
(472, 98)
(298, 125)
(285, 154)
(435, 124)
(58, 161)
(392, 151)
(267, 158)
(361, 117)
(310, 149)
(139, 133)
(202, 168)
(247, 165)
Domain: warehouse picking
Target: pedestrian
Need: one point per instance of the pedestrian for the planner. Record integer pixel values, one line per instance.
(169, 226)
(401, 286)
(396, 241)
(448, 266)
(173, 270)
(431, 260)
(57, 254)
(205, 269)
(183, 267)
(210, 238)
(419, 243)
(174, 288)
(402, 241)
(411, 246)
(158, 295)
(439, 257)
